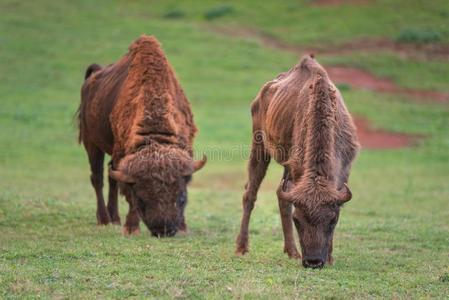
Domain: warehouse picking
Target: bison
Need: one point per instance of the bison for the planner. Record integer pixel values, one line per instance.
(301, 121)
(136, 111)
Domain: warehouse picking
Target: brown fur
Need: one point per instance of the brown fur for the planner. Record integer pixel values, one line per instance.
(136, 111)
(300, 120)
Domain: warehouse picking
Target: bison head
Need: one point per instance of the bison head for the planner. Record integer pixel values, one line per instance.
(317, 209)
(156, 180)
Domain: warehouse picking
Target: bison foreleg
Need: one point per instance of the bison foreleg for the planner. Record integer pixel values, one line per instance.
(257, 167)
(131, 226)
(285, 209)
(112, 201)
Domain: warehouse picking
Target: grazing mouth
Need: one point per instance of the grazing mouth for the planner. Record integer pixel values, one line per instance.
(169, 233)
(313, 263)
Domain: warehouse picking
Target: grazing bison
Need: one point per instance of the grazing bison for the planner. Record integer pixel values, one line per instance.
(136, 111)
(300, 120)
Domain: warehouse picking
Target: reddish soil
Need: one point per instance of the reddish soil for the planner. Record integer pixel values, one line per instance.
(353, 77)
(408, 50)
(365, 80)
(372, 45)
(371, 138)
(359, 78)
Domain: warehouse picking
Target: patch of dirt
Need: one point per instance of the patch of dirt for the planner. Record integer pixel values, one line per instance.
(371, 138)
(351, 76)
(359, 78)
(364, 80)
(405, 50)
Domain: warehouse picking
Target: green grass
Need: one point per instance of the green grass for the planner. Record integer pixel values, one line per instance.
(392, 240)
(412, 35)
(304, 23)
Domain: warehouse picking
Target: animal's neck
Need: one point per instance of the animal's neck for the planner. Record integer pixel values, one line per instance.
(154, 93)
(149, 64)
(320, 135)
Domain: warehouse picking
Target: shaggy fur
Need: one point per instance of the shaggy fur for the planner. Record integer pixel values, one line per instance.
(300, 120)
(136, 111)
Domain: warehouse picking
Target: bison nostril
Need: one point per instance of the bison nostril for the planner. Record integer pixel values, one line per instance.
(313, 263)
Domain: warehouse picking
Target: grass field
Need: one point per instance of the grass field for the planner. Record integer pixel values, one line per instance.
(392, 240)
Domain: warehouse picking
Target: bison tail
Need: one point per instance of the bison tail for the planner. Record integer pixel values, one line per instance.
(78, 118)
(79, 115)
(91, 69)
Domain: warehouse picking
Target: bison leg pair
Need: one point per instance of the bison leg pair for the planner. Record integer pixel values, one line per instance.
(109, 214)
(96, 161)
(105, 215)
(258, 164)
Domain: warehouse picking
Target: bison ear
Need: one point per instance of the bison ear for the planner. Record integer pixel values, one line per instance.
(120, 176)
(344, 194)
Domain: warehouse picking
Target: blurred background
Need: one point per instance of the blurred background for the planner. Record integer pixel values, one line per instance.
(390, 60)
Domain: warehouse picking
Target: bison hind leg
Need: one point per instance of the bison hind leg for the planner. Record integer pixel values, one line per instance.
(96, 160)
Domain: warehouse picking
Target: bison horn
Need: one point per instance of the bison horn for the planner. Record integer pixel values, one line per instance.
(199, 164)
(285, 196)
(195, 166)
(120, 176)
(344, 194)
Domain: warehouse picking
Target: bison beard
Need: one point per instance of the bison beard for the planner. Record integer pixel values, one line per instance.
(136, 111)
(302, 113)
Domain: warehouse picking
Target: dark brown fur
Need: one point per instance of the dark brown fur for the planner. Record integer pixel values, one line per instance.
(136, 111)
(300, 120)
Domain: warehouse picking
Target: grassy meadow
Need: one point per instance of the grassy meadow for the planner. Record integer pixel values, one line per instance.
(392, 240)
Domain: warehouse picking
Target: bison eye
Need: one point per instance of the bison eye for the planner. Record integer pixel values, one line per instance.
(140, 205)
(333, 221)
(182, 198)
(188, 178)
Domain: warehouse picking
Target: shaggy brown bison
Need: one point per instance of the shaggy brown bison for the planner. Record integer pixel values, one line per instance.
(300, 120)
(136, 111)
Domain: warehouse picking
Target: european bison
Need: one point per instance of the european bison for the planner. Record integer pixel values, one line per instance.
(136, 111)
(301, 121)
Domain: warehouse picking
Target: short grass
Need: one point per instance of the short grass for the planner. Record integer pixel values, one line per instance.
(303, 22)
(391, 242)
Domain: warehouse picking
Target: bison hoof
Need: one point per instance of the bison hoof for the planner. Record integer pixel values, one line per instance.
(292, 253)
(128, 231)
(182, 227)
(103, 219)
(183, 231)
(241, 250)
(116, 221)
(242, 245)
